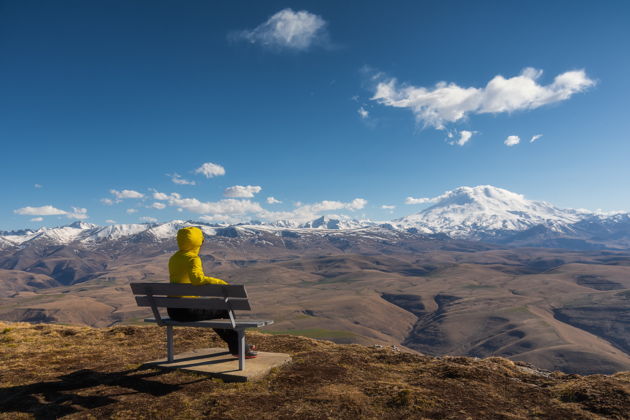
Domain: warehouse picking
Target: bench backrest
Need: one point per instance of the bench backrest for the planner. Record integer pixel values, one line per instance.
(211, 296)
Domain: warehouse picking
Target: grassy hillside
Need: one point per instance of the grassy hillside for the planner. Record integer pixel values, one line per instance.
(49, 371)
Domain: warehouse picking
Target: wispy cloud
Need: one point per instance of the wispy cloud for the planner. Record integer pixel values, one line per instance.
(535, 137)
(148, 219)
(121, 195)
(287, 30)
(273, 200)
(464, 136)
(226, 206)
(512, 141)
(210, 170)
(160, 196)
(40, 211)
(159, 206)
(388, 207)
(132, 211)
(37, 219)
(76, 213)
(430, 200)
(232, 210)
(38, 186)
(242, 191)
(447, 103)
(422, 200)
(363, 113)
(110, 221)
(177, 179)
(305, 212)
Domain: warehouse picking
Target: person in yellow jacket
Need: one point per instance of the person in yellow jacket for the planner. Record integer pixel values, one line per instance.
(185, 267)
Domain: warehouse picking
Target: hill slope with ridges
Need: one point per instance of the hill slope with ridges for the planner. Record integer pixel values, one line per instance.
(51, 371)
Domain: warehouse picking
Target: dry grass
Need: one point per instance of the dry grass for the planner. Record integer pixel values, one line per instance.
(50, 371)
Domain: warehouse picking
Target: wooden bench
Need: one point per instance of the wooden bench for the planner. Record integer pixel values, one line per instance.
(212, 296)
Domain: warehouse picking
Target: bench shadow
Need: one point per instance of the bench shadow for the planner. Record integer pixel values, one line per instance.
(225, 356)
(56, 398)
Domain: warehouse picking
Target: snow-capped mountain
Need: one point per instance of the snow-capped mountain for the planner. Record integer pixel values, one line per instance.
(337, 223)
(485, 211)
(473, 213)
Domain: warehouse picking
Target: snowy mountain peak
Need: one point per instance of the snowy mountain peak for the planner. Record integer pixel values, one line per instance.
(482, 196)
(83, 225)
(336, 222)
(474, 212)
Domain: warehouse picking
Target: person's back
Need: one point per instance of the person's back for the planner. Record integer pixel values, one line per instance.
(185, 265)
(185, 268)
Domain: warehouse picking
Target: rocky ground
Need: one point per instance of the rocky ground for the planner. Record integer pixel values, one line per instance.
(51, 371)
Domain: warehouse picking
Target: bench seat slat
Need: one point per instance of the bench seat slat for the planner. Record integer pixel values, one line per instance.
(218, 290)
(195, 303)
(215, 323)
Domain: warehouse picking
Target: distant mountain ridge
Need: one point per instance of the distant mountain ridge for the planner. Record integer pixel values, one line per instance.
(483, 213)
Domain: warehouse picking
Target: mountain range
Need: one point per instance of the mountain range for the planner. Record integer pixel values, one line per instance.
(484, 213)
(480, 272)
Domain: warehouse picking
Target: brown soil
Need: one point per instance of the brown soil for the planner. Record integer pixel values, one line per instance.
(51, 371)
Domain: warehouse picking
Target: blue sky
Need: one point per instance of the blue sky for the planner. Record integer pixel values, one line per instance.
(328, 107)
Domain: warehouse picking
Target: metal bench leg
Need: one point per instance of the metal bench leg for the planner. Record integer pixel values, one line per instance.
(169, 343)
(241, 348)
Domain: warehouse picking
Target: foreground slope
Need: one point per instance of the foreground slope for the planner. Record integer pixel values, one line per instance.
(80, 372)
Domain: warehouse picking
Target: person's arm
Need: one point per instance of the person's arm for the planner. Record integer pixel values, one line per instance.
(197, 277)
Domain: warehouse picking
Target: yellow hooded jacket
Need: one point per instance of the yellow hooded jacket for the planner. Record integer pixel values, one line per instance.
(185, 265)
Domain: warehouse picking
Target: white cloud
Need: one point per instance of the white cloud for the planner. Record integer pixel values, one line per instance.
(160, 196)
(76, 213)
(120, 195)
(363, 113)
(210, 170)
(233, 210)
(38, 186)
(242, 191)
(356, 204)
(464, 136)
(305, 212)
(110, 221)
(327, 205)
(273, 200)
(424, 200)
(388, 207)
(288, 30)
(40, 211)
(37, 219)
(158, 205)
(148, 219)
(132, 211)
(427, 200)
(447, 102)
(107, 201)
(226, 206)
(512, 140)
(535, 137)
(177, 179)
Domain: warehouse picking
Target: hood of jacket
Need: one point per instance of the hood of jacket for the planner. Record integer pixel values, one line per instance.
(189, 239)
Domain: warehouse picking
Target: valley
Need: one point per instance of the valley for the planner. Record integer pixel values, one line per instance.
(481, 272)
(558, 309)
